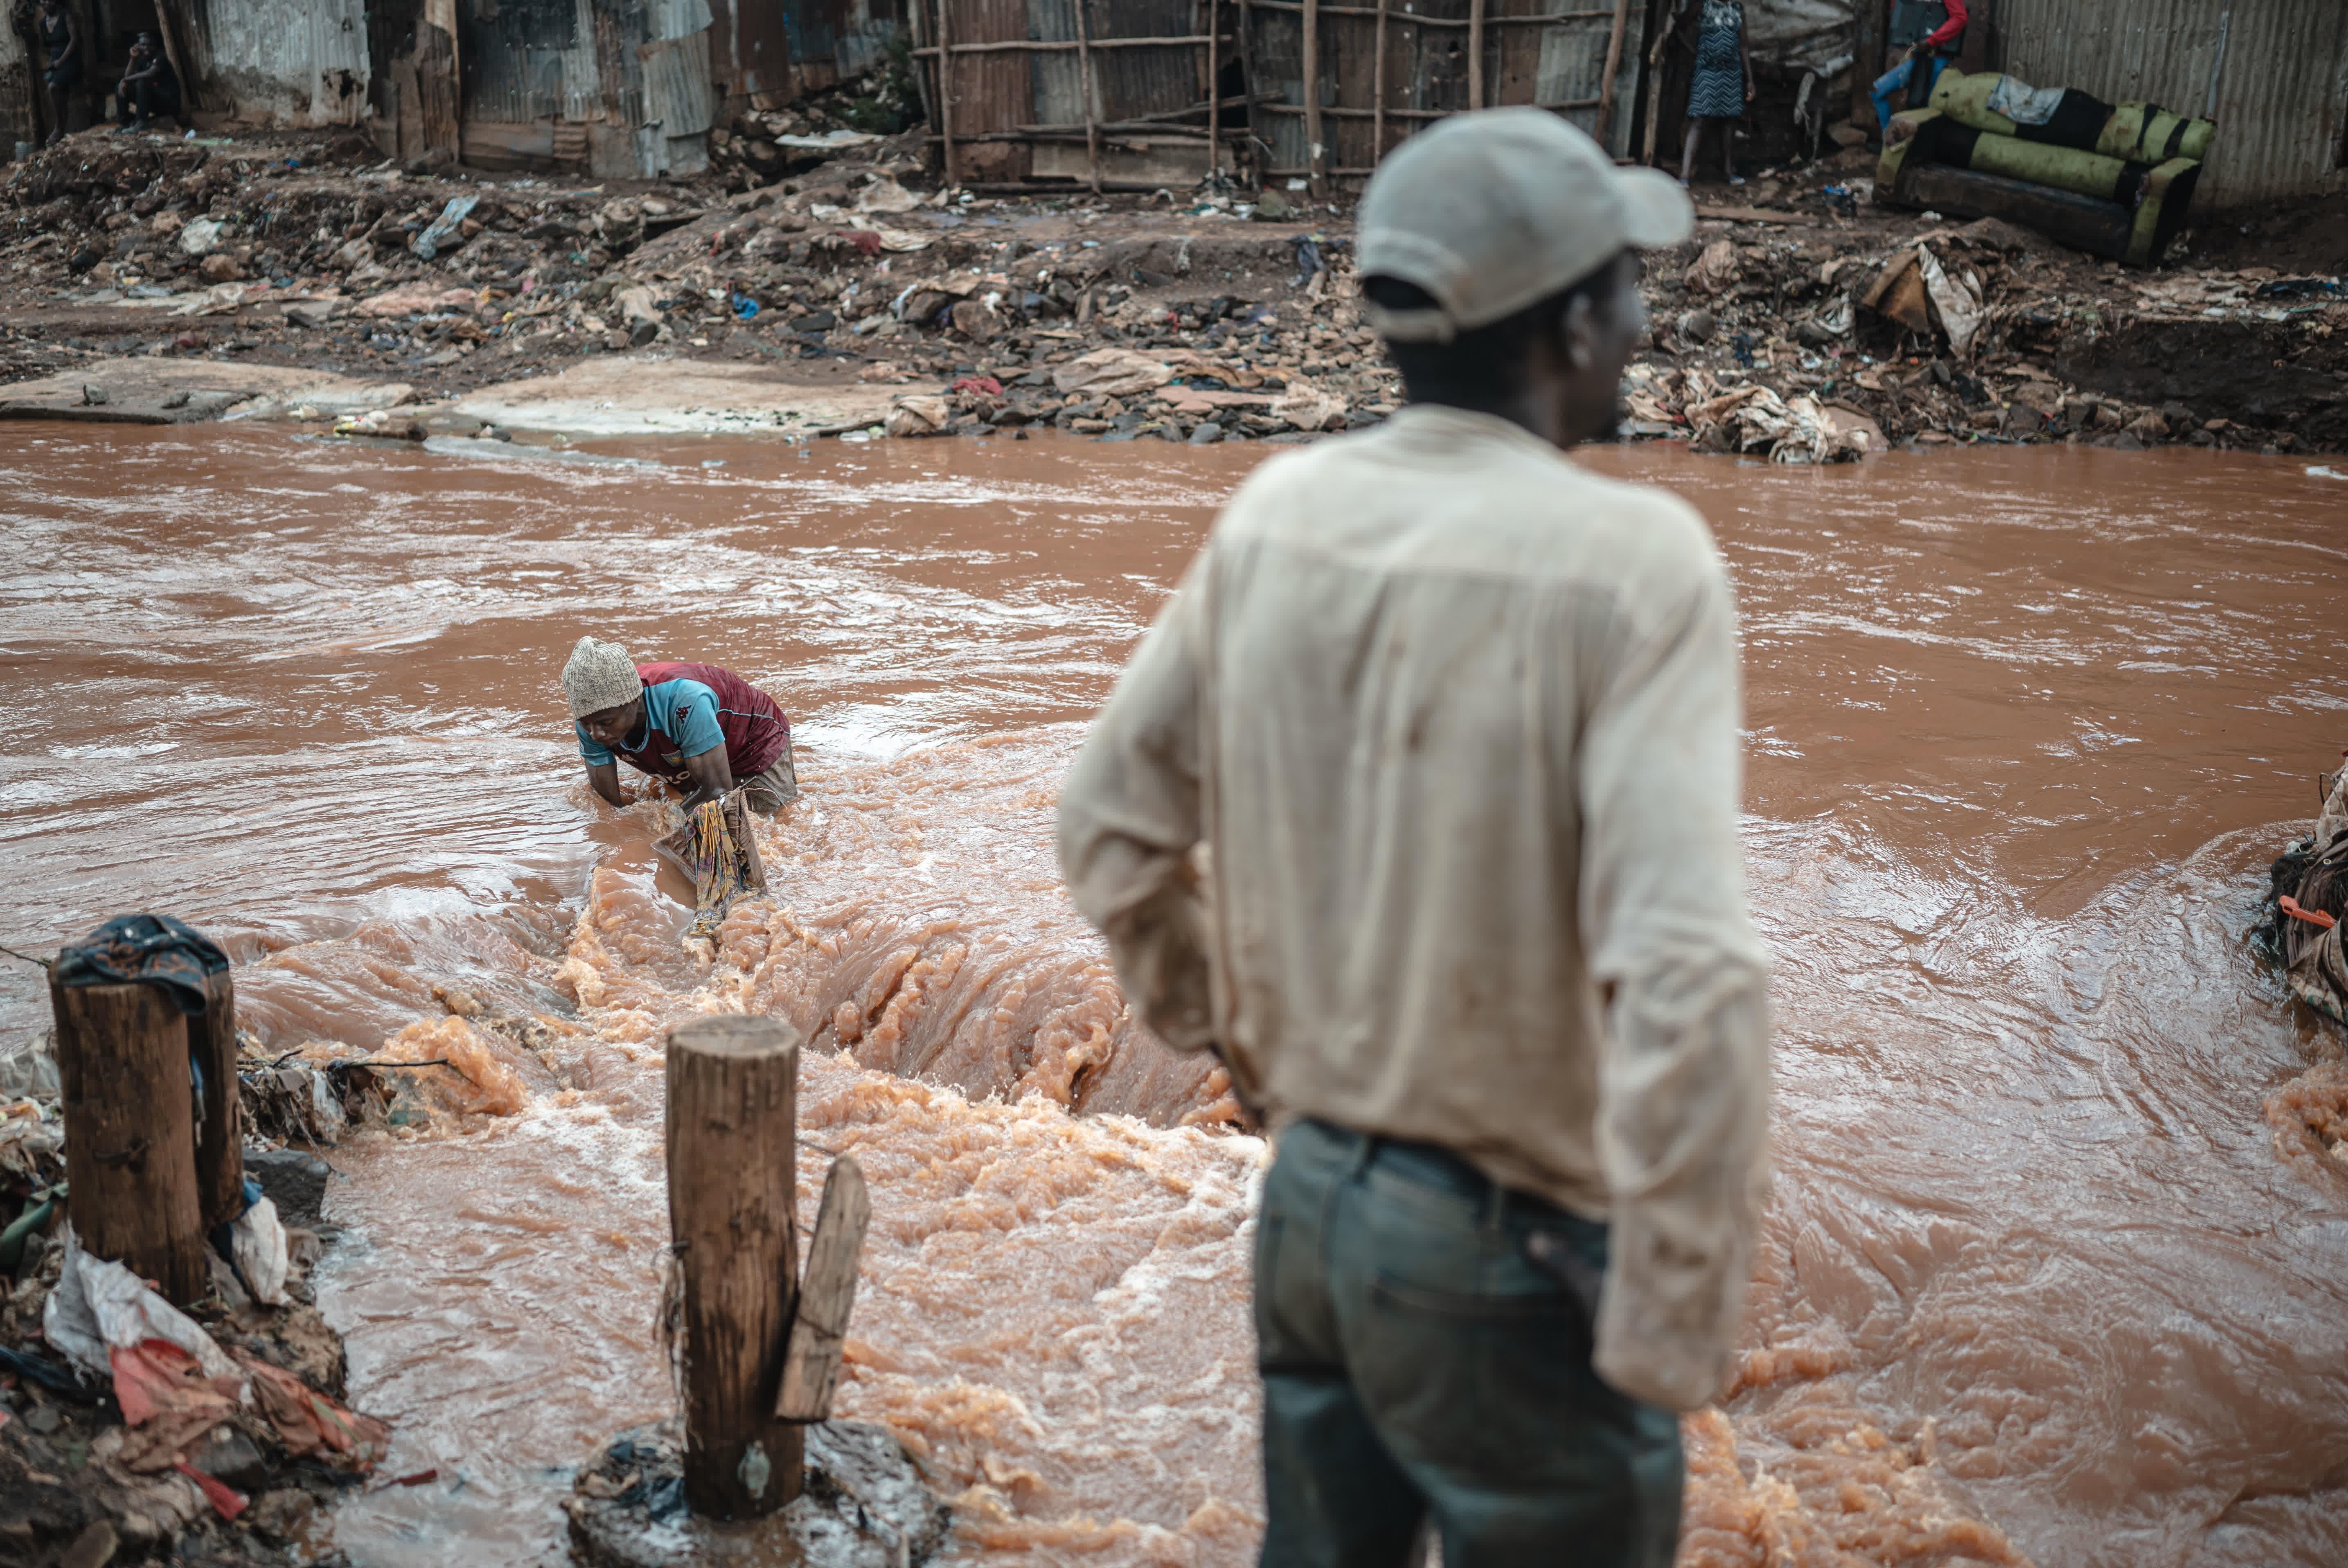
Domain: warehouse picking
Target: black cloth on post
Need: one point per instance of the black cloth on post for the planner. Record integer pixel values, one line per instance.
(144, 950)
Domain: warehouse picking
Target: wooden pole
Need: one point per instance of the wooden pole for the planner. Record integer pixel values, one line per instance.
(1084, 85)
(1314, 159)
(1378, 91)
(1866, 61)
(130, 1141)
(945, 99)
(733, 1093)
(220, 1121)
(1475, 53)
(1655, 85)
(1214, 90)
(827, 1296)
(1606, 81)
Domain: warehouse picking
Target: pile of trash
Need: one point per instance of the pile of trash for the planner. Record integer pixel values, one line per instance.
(822, 245)
(130, 1426)
(2300, 929)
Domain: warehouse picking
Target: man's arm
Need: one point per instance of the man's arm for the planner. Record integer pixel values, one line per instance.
(713, 777)
(604, 778)
(1683, 1077)
(1130, 817)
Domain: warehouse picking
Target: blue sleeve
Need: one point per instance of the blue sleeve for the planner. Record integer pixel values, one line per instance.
(693, 718)
(596, 755)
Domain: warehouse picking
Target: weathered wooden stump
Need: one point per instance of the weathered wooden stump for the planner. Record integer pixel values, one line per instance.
(220, 1121)
(733, 1109)
(130, 1132)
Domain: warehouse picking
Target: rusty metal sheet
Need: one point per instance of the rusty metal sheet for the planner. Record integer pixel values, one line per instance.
(677, 96)
(750, 48)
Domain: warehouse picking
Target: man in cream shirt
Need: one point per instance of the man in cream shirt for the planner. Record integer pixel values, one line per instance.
(1455, 722)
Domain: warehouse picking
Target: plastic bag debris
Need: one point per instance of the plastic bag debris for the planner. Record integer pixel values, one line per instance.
(100, 1306)
(427, 244)
(260, 1250)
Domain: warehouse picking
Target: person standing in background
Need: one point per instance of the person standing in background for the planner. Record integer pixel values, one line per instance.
(61, 39)
(1723, 84)
(1928, 33)
(1457, 719)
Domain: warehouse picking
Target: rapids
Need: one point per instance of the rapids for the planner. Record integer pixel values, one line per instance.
(2053, 1265)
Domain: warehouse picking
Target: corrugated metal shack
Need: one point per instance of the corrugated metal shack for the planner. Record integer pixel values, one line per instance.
(611, 87)
(1148, 93)
(1112, 92)
(1384, 70)
(2273, 74)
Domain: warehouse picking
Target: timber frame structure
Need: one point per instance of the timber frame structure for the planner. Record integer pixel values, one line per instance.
(1142, 94)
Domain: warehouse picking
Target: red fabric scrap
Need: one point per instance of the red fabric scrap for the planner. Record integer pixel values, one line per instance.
(306, 1420)
(156, 1377)
(226, 1501)
(986, 384)
(866, 241)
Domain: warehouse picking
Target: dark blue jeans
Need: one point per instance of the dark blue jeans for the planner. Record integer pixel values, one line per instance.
(1417, 1363)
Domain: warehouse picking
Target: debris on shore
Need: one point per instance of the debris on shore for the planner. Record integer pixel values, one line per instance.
(865, 1506)
(131, 1430)
(1802, 323)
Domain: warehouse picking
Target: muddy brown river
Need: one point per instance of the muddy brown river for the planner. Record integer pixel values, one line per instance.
(2054, 1272)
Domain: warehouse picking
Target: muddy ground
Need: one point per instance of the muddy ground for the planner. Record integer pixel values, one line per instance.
(818, 281)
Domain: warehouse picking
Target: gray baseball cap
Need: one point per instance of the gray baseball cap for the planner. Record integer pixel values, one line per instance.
(1494, 211)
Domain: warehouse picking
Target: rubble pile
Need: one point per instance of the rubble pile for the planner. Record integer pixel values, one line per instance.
(1802, 323)
(1945, 334)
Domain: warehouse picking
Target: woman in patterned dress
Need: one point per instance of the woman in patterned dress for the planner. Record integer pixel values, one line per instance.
(1723, 84)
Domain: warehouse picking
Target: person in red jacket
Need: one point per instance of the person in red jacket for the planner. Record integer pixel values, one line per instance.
(1928, 33)
(699, 728)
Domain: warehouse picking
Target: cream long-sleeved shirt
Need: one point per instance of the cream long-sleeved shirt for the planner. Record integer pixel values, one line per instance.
(1458, 722)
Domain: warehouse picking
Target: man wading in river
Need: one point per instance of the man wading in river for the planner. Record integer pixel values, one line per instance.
(1458, 720)
(697, 727)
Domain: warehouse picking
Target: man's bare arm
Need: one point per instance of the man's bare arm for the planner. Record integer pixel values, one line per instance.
(713, 777)
(604, 778)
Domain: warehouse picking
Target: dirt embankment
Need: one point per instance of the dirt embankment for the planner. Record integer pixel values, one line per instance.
(831, 287)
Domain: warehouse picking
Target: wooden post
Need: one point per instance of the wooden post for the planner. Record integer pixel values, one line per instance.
(1084, 85)
(1866, 61)
(945, 99)
(1214, 90)
(219, 1119)
(439, 75)
(1655, 85)
(1606, 81)
(1378, 92)
(1475, 53)
(733, 1104)
(827, 1296)
(130, 1142)
(1314, 161)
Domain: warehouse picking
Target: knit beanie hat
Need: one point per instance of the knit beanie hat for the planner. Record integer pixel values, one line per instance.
(600, 676)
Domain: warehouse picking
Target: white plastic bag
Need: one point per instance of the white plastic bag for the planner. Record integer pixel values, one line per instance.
(258, 1240)
(99, 1305)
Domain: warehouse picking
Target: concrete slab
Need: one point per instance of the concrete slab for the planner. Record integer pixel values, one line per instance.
(628, 394)
(151, 390)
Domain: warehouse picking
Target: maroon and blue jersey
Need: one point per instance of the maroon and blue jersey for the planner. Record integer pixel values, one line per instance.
(688, 710)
